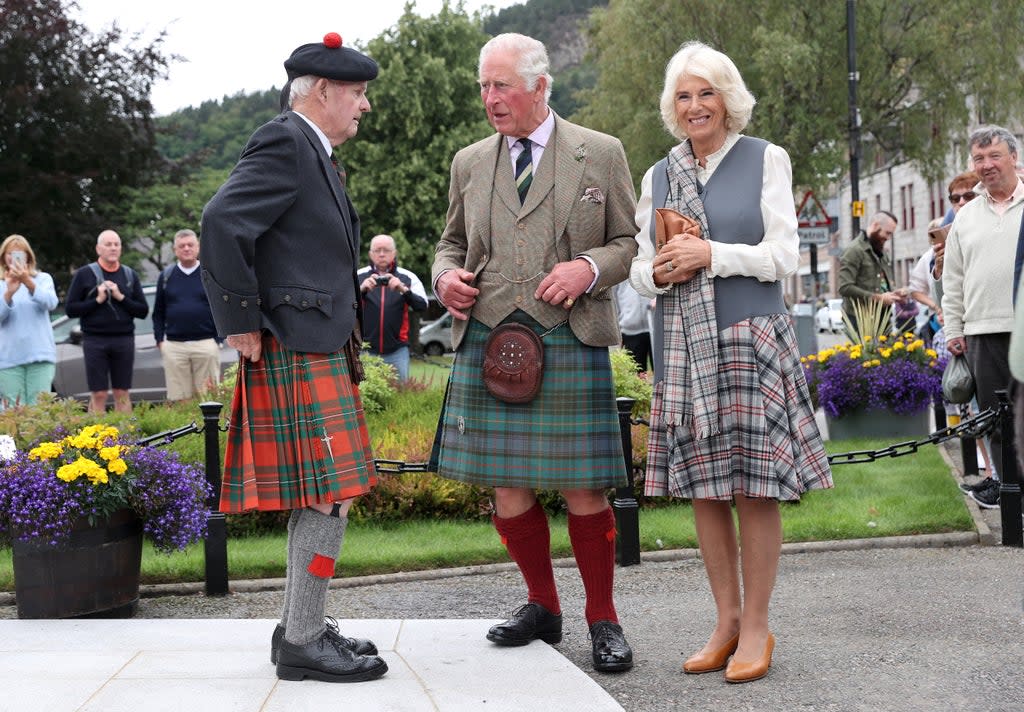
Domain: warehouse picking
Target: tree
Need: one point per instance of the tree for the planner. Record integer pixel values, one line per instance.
(427, 106)
(929, 70)
(75, 127)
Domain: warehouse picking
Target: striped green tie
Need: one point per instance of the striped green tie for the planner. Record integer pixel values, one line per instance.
(524, 170)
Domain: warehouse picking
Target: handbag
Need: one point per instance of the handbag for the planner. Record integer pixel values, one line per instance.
(668, 223)
(513, 363)
(957, 381)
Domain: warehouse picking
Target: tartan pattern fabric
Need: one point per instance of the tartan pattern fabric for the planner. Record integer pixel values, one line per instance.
(296, 434)
(769, 446)
(565, 438)
(690, 326)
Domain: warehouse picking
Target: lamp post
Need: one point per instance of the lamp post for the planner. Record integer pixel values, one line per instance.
(854, 119)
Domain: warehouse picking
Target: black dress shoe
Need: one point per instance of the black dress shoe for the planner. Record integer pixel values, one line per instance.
(611, 651)
(527, 623)
(360, 646)
(326, 659)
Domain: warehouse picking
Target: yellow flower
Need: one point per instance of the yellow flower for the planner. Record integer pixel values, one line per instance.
(118, 466)
(931, 353)
(867, 339)
(885, 352)
(883, 338)
(68, 473)
(909, 336)
(898, 346)
(46, 451)
(110, 453)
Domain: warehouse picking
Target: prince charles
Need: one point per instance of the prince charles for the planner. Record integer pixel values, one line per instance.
(540, 227)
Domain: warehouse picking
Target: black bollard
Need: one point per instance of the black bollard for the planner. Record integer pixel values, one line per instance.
(968, 446)
(625, 506)
(216, 544)
(1009, 477)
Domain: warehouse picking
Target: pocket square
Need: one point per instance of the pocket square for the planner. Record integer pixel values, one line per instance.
(592, 195)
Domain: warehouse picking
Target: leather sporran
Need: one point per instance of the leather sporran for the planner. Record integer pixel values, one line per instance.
(513, 363)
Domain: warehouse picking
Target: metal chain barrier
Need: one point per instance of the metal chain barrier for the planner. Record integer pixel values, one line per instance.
(975, 426)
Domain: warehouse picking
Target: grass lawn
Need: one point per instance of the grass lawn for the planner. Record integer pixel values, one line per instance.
(913, 494)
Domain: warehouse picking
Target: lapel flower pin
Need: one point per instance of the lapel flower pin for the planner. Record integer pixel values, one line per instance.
(581, 153)
(592, 195)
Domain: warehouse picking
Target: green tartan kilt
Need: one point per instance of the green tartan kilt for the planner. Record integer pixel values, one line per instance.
(296, 433)
(566, 438)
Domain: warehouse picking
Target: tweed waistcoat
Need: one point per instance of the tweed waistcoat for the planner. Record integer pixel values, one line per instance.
(523, 247)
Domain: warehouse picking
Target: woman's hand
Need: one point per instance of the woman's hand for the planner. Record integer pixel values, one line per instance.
(680, 260)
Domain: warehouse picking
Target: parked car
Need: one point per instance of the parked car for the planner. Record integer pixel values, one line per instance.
(436, 336)
(829, 316)
(148, 374)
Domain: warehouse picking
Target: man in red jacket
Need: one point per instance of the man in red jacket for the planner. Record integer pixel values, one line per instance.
(389, 291)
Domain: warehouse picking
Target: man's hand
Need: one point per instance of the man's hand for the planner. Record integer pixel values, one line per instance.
(249, 345)
(565, 283)
(114, 290)
(957, 346)
(456, 291)
(889, 298)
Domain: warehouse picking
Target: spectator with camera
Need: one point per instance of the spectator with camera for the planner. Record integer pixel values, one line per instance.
(389, 291)
(28, 354)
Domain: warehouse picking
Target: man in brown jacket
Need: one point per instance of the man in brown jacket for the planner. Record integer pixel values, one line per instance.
(540, 227)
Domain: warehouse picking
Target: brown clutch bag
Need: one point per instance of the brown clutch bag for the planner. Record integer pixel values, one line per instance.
(668, 223)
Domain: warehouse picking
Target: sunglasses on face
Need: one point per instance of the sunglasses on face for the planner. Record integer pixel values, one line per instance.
(955, 198)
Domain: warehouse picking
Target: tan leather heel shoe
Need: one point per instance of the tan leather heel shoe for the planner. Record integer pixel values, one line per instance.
(746, 672)
(710, 662)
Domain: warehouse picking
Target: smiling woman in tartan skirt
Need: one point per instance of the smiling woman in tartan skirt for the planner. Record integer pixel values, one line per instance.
(280, 249)
(731, 417)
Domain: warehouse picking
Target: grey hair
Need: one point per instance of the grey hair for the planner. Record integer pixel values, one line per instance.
(987, 135)
(301, 87)
(698, 60)
(185, 232)
(533, 58)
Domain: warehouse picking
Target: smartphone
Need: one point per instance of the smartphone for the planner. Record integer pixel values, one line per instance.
(18, 257)
(938, 235)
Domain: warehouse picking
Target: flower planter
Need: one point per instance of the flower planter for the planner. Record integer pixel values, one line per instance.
(95, 574)
(879, 424)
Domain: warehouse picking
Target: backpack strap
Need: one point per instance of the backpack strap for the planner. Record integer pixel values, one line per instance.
(128, 272)
(166, 275)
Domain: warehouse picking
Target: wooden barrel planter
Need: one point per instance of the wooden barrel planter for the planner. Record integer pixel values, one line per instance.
(95, 574)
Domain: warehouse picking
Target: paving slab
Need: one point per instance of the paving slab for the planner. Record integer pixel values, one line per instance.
(222, 665)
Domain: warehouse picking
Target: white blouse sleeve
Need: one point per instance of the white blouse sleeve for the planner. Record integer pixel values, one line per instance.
(778, 254)
(641, 272)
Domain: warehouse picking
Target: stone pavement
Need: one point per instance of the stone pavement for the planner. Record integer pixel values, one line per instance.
(908, 623)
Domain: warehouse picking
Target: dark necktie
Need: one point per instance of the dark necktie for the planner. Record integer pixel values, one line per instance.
(340, 170)
(524, 170)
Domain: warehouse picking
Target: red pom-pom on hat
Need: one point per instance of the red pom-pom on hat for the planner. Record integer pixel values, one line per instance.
(332, 40)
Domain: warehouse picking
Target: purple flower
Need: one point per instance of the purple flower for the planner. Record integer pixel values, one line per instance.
(168, 495)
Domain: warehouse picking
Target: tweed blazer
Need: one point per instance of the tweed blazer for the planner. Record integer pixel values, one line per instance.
(589, 190)
(280, 242)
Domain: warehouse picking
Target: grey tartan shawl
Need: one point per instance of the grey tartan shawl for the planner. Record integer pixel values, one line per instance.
(691, 332)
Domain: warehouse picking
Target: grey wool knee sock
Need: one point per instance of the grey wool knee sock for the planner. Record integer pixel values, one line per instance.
(289, 566)
(315, 544)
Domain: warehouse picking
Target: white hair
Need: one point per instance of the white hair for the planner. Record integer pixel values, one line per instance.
(533, 58)
(696, 59)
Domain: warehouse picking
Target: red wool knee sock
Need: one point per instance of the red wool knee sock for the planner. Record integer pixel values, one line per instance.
(593, 544)
(528, 540)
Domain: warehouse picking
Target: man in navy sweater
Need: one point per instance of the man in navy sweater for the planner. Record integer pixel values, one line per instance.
(183, 325)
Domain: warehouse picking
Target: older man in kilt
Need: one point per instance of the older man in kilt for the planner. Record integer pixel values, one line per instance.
(540, 226)
(279, 258)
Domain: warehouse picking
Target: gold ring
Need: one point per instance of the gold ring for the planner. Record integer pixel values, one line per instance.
(569, 301)
(669, 266)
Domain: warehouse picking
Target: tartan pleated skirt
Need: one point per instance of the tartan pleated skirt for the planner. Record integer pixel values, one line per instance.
(565, 438)
(296, 434)
(768, 445)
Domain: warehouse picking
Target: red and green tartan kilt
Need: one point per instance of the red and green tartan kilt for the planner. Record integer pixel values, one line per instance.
(566, 438)
(296, 434)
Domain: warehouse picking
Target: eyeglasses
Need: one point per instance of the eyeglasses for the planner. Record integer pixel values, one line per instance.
(955, 198)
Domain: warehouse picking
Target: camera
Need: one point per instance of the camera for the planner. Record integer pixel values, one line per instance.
(383, 279)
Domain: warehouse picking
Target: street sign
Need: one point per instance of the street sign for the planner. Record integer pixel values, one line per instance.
(857, 208)
(814, 235)
(813, 223)
(810, 213)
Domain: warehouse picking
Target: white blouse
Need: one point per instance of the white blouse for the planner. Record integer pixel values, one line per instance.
(775, 257)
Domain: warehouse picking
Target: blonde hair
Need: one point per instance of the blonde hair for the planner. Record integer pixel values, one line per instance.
(696, 59)
(15, 242)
